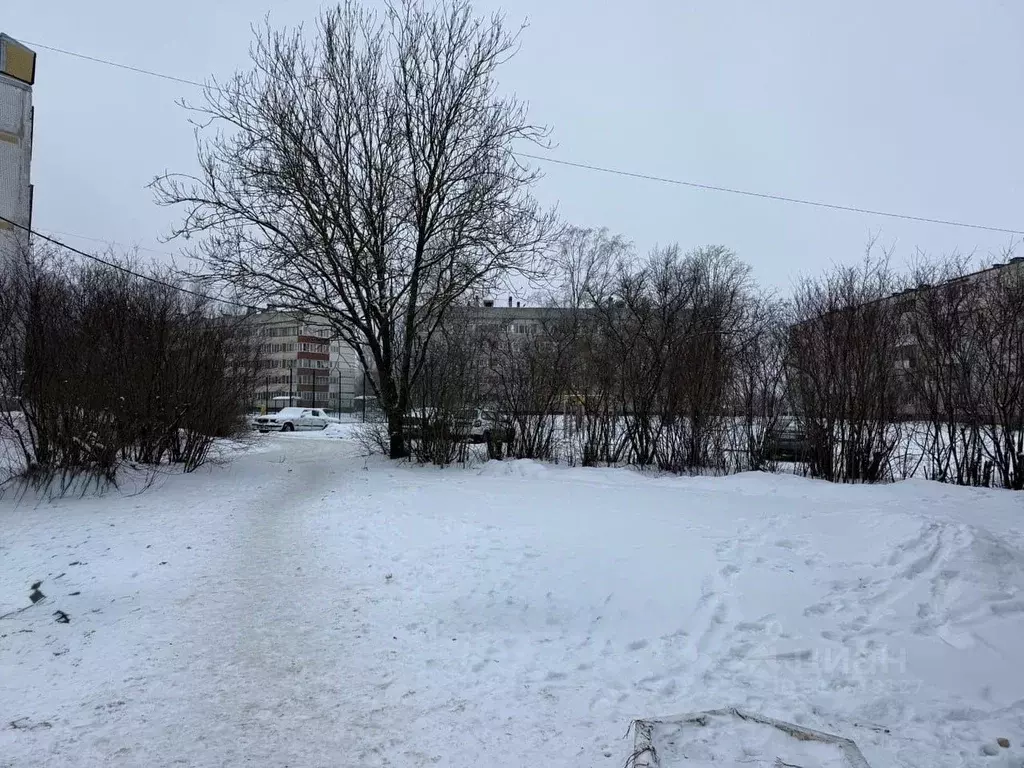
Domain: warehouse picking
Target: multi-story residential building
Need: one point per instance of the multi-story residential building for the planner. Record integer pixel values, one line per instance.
(17, 75)
(904, 302)
(301, 364)
(516, 320)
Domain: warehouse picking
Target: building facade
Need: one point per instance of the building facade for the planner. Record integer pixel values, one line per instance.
(17, 76)
(301, 364)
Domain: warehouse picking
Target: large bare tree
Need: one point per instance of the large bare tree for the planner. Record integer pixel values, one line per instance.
(364, 171)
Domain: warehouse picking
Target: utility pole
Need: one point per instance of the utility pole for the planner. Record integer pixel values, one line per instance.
(337, 383)
(291, 388)
(362, 394)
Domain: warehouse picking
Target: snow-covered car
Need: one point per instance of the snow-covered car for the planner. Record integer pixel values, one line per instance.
(292, 419)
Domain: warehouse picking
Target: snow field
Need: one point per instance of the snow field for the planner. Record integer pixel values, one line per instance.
(306, 606)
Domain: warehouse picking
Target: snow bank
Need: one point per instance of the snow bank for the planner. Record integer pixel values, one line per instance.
(513, 468)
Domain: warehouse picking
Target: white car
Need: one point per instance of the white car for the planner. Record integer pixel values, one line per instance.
(478, 425)
(292, 419)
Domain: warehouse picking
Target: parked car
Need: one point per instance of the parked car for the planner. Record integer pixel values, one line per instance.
(788, 442)
(292, 419)
(478, 425)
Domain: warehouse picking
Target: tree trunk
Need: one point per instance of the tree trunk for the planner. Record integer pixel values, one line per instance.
(397, 447)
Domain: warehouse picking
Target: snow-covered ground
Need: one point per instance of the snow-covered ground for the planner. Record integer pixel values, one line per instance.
(306, 606)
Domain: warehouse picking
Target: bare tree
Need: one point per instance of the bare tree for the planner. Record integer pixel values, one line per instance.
(759, 383)
(1000, 372)
(584, 272)
(719, 320)
(844, 369)
(528, 381)
(448, 387)
(942, 368)
(365, 173)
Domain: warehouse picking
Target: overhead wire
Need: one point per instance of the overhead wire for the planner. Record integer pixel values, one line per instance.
(115, 242)
(770, 196)
(591, 167)
(126, 270)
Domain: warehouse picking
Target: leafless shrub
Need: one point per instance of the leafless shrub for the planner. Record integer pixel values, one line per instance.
(968, 382)
(759, 387)
(583, 269)
(999, 374)
(717, 324)
(674, 326)
(844, 376)
(373, 435)
(447, 388)
(942, 379)
(108, 368)
(528, 381)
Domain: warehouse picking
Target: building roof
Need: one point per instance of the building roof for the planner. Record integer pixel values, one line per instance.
(17, 61)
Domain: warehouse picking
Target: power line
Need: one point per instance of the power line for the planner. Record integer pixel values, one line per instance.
(122, 245)
(618, 172)
(109, 63)
(125, 270)
(769, 196)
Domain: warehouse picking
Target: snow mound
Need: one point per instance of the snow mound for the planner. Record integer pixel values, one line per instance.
(974, 579)
(513, 468)
(956, 580)
(344, 431)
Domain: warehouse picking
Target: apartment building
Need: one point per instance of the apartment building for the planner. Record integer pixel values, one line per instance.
(516, 320)
(904, 301)
(17, 76)
(301, 364)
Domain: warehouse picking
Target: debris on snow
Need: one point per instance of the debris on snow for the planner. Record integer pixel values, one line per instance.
(24, 724)
(734, 737)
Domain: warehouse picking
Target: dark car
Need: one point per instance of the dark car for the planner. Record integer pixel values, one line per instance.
(788, 442)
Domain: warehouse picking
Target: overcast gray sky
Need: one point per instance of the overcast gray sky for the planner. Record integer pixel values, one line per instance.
(914, 107)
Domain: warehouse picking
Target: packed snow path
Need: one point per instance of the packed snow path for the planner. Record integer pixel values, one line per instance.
(303, 606)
